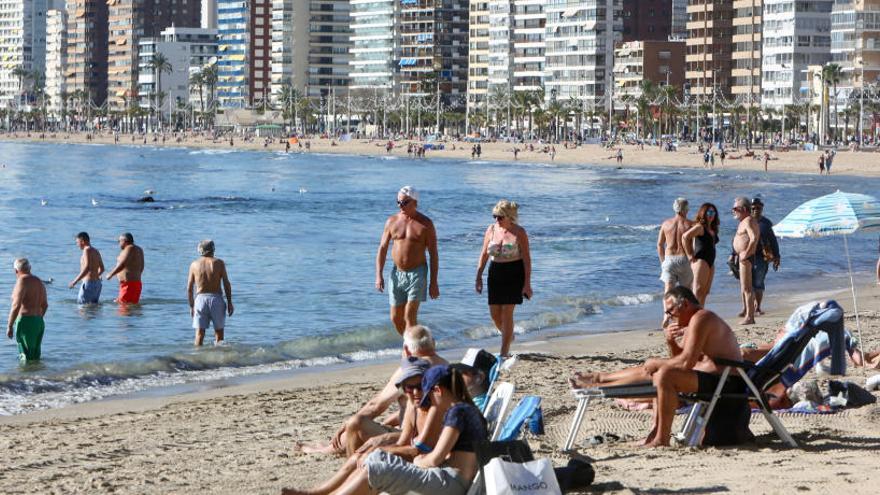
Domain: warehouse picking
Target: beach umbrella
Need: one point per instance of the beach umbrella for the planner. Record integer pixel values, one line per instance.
(839, 213)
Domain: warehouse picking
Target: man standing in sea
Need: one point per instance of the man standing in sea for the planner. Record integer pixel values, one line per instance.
(207, 307)
(767, 244)
(745, 243)
(129, 267)
(675, 268)
(91, 267)
(29, 305)
(412, 234)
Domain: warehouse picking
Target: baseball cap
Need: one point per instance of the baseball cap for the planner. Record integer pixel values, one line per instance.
(410, 192)
(430, 379)
(476, 360)
(411, 367)
(757, 201)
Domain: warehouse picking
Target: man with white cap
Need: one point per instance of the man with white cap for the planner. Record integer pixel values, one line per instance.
(412, 234)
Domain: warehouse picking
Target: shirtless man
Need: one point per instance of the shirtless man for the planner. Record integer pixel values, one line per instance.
(694, 337)
(129, 267)
(418, 343)
(91, 268)
(29, 305)
(675, 269)
(745, 242)
(413, 234)
(207, 307)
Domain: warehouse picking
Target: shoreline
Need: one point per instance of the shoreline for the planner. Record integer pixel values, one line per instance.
(854, 163)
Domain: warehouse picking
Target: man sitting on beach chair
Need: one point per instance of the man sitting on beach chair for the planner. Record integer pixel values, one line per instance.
(417, 342)
(691, 367)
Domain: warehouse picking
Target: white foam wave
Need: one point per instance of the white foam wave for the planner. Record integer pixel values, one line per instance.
(211, 152)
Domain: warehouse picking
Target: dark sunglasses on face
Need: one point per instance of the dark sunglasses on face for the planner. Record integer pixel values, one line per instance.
(408, 389)
(710, 213)
(403, 202)
(498, 217)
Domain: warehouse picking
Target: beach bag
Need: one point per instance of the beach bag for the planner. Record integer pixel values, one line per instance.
(528, 478)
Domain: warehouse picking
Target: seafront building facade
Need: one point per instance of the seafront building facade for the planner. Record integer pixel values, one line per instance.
(244, 53)
(796, 34)
(517, 47)
(22, 46)
(709, 59)
(647, 20)
(129, 22)
(478, 56)
(747, 59)
(855, 47)
(188, 51)
(329, 44)
(374, 43)
(86, 71)
(660, 62)
(290, 45)
(56, 59)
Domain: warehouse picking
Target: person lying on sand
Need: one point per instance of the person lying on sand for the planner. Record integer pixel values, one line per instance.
(704, 337)
(418, 430)
(418, 342)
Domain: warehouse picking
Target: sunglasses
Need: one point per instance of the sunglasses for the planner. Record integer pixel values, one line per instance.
(710, 213)
(408, 389)
(498, 217)
(403, 202)
(736, 209)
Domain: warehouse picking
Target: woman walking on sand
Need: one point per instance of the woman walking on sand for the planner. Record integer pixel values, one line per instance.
(510, 270)
(699, 245)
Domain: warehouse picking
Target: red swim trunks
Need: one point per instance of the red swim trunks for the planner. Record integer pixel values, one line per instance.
(129, 292)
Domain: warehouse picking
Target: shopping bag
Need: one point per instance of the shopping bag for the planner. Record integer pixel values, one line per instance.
(527, 478)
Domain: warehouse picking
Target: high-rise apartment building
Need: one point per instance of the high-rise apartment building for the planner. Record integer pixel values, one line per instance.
(188, 50)
(647, 20)
(660, 62)
(244, 52)
(517, 45)
(310, 46)
(855, 45)
(796, 34)
(129, 22)
(22, 46)
(209, 14)
(433, 47)
(579, 50)
(746, 55)
(86, 71)
(679, 19)
(56, 59)
(709, 61)
(373, 44)
(478, 55)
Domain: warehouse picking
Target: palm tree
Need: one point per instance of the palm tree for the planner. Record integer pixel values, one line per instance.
(832, 73)
(289, 99)
(159, 63)
(197, 81)
(22, 75)
(209, 76)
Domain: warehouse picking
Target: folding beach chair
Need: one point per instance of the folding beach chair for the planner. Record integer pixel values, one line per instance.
(497, 407)
(771, 369)
(527, 408)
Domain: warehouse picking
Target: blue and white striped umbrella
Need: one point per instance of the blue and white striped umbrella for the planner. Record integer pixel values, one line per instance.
(833, 214)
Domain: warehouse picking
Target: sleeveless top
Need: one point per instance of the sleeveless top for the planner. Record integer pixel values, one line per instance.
(704, 247)
(500, 251)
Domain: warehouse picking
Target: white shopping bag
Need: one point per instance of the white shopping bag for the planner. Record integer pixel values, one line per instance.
(526, 478)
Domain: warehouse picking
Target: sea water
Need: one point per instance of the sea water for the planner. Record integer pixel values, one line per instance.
(299, 234)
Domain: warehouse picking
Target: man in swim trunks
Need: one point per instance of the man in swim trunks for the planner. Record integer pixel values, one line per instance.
(207, 306)
(413, 234)
(675, 269)
(29, 305)
(91, 267)
(129, 267)
(745, 243)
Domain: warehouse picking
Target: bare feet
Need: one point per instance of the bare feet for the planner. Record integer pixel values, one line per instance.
(741, 313)
(316, 448)
(584, 380)
(759, 312)
(749, 321)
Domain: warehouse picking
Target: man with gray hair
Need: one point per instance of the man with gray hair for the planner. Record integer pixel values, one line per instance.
(207, 307)
(412, 234)
(745, 243)
(418, 343)
(129, 267)
(675, 268)
(29, 305)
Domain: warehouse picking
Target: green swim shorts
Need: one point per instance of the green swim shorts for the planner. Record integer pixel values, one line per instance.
(29, 335)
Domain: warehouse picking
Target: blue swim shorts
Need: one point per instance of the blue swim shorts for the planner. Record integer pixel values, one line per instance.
(209, 308)
(759, 272)
(411, 285)
(89, 292)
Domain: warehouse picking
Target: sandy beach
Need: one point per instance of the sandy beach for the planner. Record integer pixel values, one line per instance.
(846, 162)
(239, 439)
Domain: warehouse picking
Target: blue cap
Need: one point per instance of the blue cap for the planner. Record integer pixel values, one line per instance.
(430, 379)
(411, 367)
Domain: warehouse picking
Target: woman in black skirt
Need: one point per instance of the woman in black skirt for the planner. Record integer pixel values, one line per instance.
(510, 271)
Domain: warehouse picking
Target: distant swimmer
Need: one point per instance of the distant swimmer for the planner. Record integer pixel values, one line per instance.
(207, 306)
(29, 305)
(412, 234)
(91, 268)
(129, 267)
(147, 199)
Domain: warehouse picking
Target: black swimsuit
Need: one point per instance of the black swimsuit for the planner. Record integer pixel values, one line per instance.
(704, 247)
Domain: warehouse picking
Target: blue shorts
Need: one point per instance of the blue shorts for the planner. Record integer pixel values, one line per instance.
(411, 285)
(89, 292)
(759, 272)
(209, 308)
